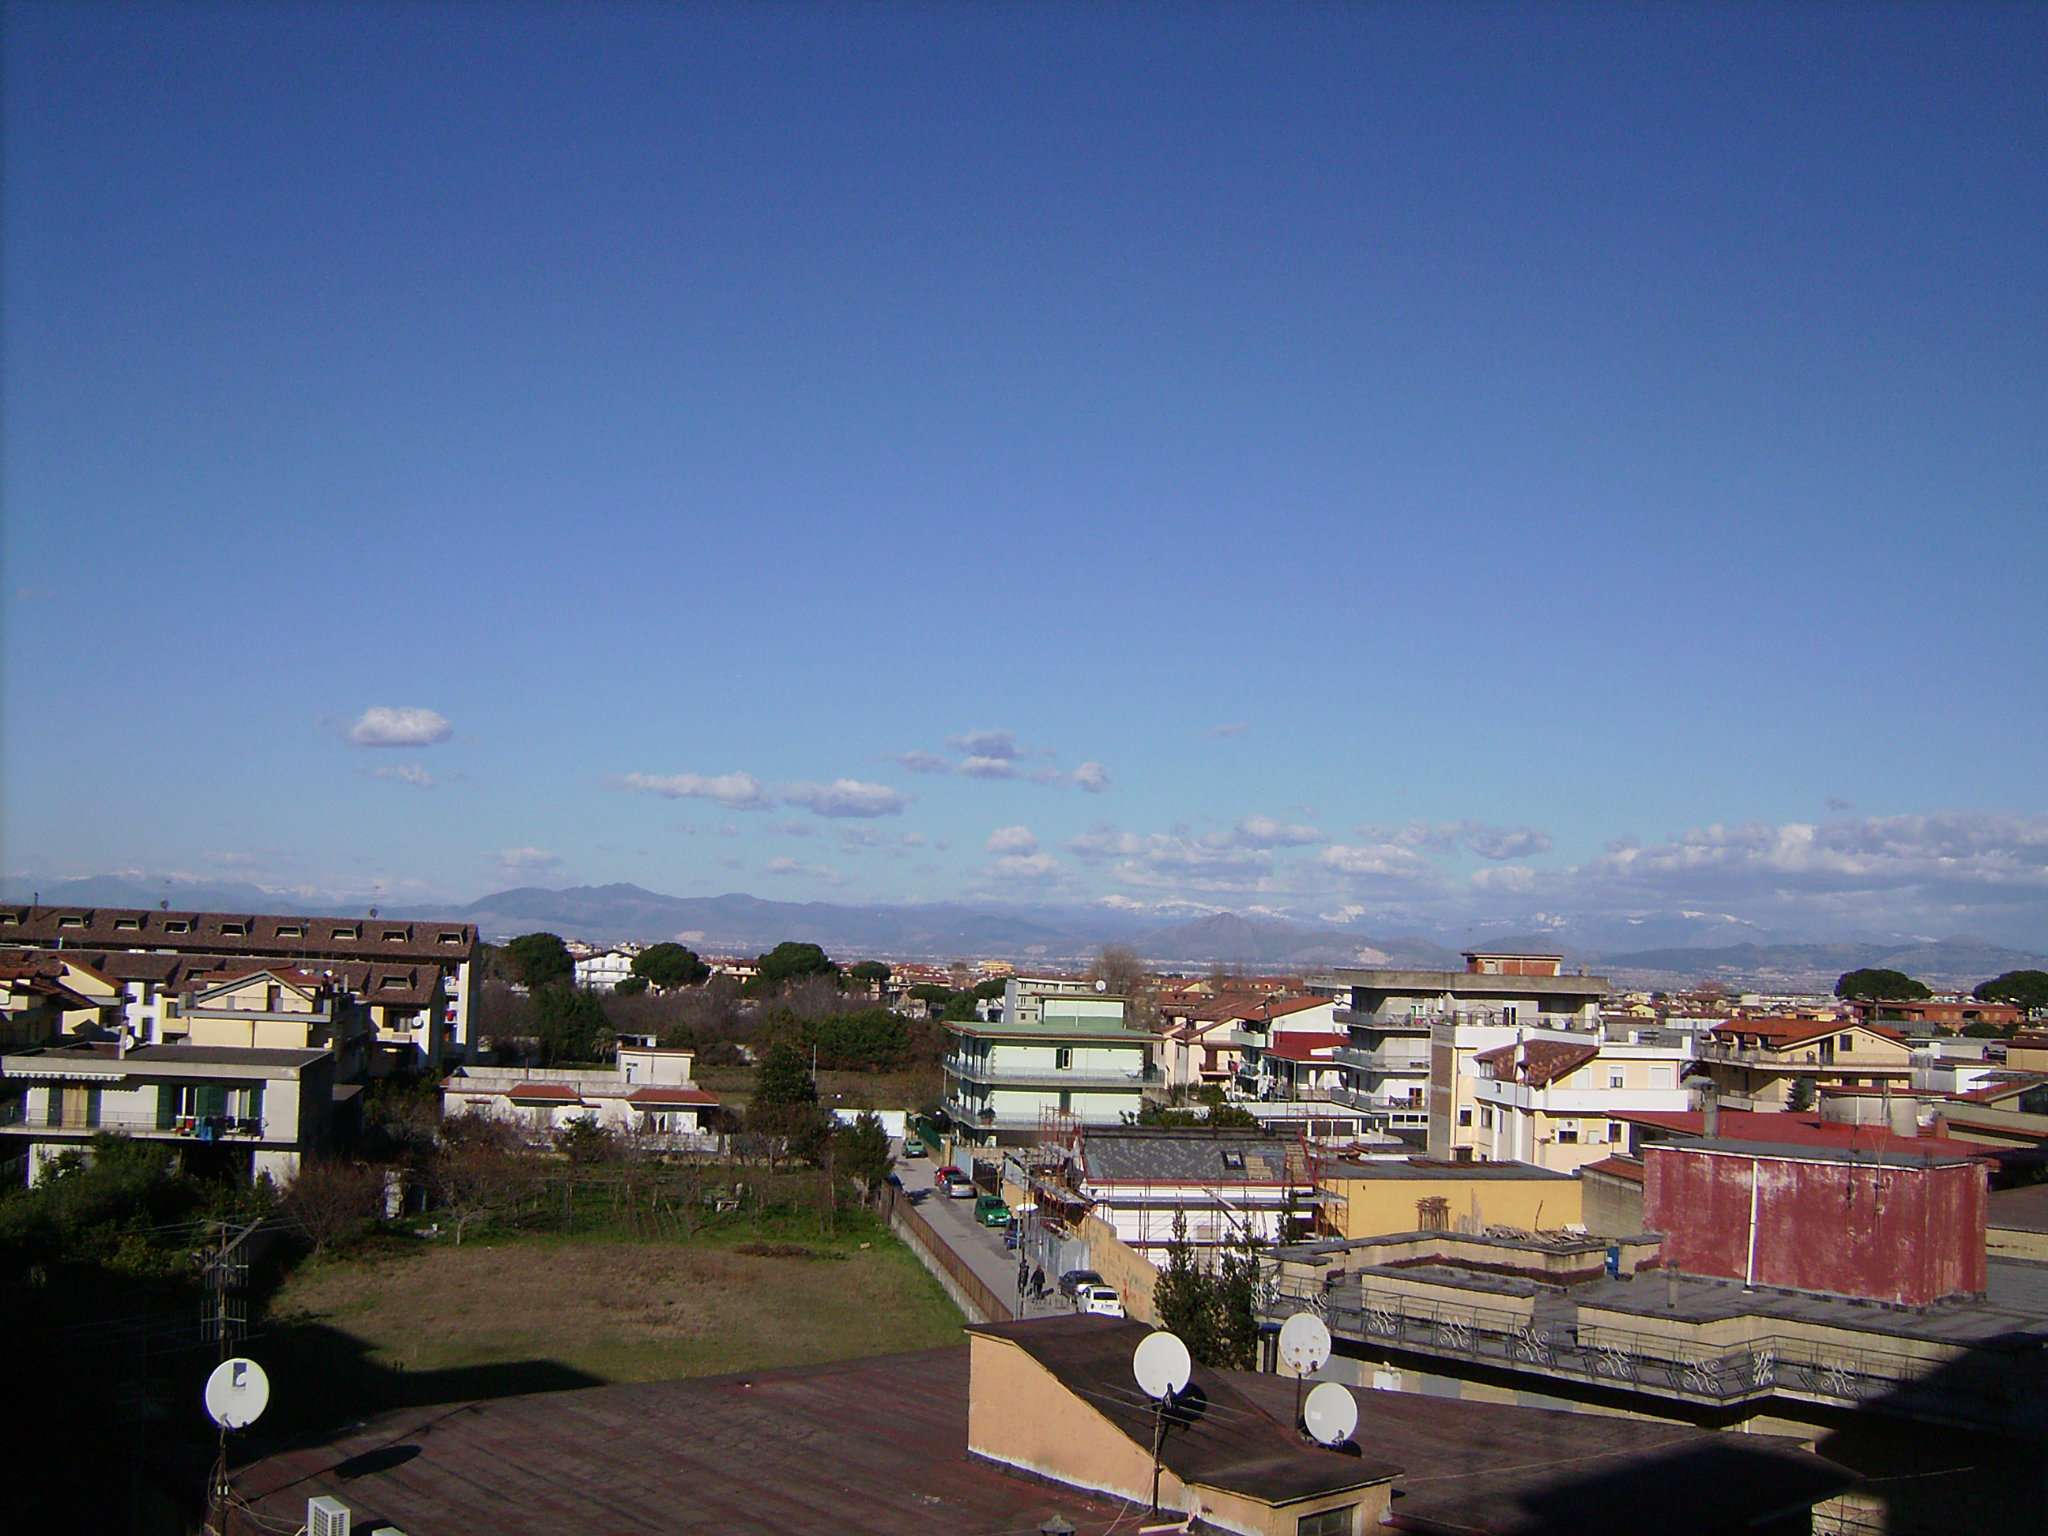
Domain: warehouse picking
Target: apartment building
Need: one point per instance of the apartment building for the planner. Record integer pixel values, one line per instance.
(363, 951)
(647, 1094)
(1414, 1034)
(1761, 1063)
(1557, 1100)
(1065, 1050)
(603, 971)
(247, 1109)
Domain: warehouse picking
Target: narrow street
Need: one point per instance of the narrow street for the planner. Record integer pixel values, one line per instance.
(981, 1248)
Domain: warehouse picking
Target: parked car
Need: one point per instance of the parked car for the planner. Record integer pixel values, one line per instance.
(942, 1178)
(1100, 1300)
(1074, 1279)
(991, 1211)
(912, 1147)
(962, 1187)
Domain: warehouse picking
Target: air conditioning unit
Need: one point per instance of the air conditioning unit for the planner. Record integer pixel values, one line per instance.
(326, 1516)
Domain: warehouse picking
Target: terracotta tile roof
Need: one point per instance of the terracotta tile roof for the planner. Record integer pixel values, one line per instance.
(1546, 1060)
(2007, 1087)
(1306, 1045)
(1280, 1007)
(1785, 1128)
(244, 933)
(1781, 1033)
(557, 1092)
(669, 1095)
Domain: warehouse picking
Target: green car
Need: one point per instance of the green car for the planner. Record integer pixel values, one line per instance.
(990, 1211)
(912, 1147)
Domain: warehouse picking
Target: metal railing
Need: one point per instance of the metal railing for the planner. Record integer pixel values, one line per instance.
(980, 1072)
(17, 1116)
(1983, 1388)
(1382, 1060)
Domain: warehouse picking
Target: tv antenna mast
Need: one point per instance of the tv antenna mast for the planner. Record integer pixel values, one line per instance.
(236, 1394)
(1162, 1365)
(1305, 1347)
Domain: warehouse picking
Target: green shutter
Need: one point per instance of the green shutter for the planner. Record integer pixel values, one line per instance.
(213, 1099)
(166, 1106)
(256, 1103)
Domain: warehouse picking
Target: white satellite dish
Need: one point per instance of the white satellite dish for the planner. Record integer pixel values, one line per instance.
(1331, 1413)
(1101, 986)
(1162, 1364)
(1304, 1343)
(237, 1393)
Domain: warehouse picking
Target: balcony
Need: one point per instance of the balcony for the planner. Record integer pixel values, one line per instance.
(1384, 1062)
(971, 1069)
(1794, 1061)
(17, 1116)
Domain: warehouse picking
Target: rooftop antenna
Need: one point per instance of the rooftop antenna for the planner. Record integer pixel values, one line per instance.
(1305, 1346)
(1162, 1365)
(236, 1394)
(1331, 1413)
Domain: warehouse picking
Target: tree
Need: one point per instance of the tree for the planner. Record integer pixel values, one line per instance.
(536, 959)
(1874, 982)
(789, 962)
(479, 1170)
(1237, 1305)
(874, 973)
(333, 1200)
(1122, 972)
(784, 1077)
(2023, 989)
(671, 965)
(785, 1104)
(1799, 1097)
(630, 986)
(570, 1024)
(583, 1141)
(863, 1152)
(1184, 1297)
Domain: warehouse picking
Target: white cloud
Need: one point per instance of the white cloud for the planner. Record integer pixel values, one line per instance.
(924, 762)
(382, 725)
(736, 791)
(525, 861)
(1385, 860)
(822, 874)
(1012, 840)
(1092, 777)
(1511, 879)
(987, 768)
(1349, 913)
(1117, 903)
(1265, 832)
(404, 773)
(1019, 866)
(985, 743)
(1506, 842)
(847, 797)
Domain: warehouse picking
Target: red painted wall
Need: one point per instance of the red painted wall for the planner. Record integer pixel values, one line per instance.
(1909, 1234)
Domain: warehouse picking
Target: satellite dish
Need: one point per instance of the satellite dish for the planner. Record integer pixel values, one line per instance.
(1162, 1364)
(237, 1393)
(1304, 1343)
(1101, 985)
(1331, 1413)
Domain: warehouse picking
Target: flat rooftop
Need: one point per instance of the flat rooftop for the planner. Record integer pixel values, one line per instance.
(1436, 1169)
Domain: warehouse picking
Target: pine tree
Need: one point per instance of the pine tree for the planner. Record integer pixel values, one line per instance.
(1185, 1297)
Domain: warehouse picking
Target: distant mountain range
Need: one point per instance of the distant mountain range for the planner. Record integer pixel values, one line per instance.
(1683, 947)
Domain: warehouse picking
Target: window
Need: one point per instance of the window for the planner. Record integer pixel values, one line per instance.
(1616, 1080)
(70, 922)
(176, 925)
(10, 919)
(1486, 1117)
(1063, 1057)
(1845, 1042)
(1234, 1161)
(291, 931)
(1464, 1117)
(1568, 1131)
(1614, 1133)
(273, 998)
(345, 931)
(1341, 1521)
(394, 935)
(127, 925)
(451, 938)
(393, 983)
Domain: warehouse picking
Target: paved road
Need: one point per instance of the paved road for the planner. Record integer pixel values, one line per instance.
(981, 1247)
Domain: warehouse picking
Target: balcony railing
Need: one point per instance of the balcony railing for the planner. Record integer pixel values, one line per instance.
(981, 1072)
(1800, 1061)
(1988, 1388)
(17, 1116)
(1382, 1061)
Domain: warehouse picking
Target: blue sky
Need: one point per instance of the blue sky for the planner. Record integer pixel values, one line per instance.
(1405, 464)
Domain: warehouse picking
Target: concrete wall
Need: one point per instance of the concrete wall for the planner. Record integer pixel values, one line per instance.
(1122, 1267)
(1613, 1206)
(1907, 1234)
(1368, 1207)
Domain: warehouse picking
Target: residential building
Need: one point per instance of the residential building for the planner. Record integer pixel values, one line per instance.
(1295, 1065)
(1769, 1063)
(647, 1094)
(1556, 1100)
(604, 970)
(1222, 1184)
(1414, 1034)
(1413, 1194)
(166, 937)
(250, 1110)
(1952, 1014)
(45, 999)
(1066, 1053)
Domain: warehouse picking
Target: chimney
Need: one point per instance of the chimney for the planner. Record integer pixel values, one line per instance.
(1710, 1111)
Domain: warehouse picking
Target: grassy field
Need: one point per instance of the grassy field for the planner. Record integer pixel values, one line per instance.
(410, 1321)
